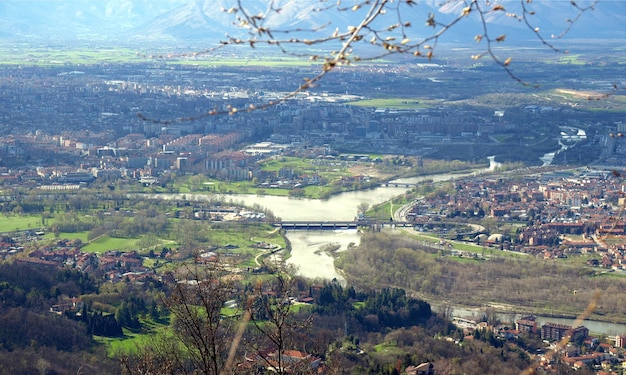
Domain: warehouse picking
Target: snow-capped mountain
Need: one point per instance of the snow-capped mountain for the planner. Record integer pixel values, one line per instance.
(205, 20)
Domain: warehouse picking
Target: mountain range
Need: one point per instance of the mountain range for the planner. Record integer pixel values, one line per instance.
(190, 21)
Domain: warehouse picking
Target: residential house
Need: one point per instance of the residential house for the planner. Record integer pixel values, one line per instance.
(620, 341)
(526, 325)
(555, 331)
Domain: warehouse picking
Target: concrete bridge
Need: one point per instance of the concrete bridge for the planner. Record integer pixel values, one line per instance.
(317, 225)
(396, 184)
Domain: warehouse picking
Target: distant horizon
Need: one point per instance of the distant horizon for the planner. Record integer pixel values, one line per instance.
(187, 22)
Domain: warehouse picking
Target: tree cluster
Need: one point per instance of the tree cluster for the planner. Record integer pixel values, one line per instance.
(33, 340)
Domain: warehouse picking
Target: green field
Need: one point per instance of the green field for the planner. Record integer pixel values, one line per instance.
(611, 102)
(574, 59)
(396, 103)
(10, 223)
(132, 341)
(61, 57)
(105, 243)
(213, 62)
(307, 166)
(327, 171)
(127, 344)
(390, 348)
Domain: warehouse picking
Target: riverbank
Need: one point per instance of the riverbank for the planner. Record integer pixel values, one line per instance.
(512, 315)
(330, 176)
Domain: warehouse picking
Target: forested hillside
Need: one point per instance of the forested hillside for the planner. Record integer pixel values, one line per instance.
(33, 340)
(354, 331)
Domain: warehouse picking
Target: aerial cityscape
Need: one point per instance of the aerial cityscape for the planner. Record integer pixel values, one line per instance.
(225, 187)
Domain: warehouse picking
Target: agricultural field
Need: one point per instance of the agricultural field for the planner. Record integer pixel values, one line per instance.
(47, 57)
(68, 56)
(397, 103)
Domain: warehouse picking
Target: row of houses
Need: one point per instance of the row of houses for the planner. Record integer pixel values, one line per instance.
(114, 265)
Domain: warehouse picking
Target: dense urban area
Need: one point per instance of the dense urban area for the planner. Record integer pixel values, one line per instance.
(119, 194)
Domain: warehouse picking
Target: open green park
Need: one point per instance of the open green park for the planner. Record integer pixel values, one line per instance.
(18, 222)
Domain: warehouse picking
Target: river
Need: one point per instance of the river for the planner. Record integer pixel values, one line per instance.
(340, 207)
(305, 256)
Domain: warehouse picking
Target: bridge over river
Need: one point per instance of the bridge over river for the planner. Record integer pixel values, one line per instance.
(317, 225)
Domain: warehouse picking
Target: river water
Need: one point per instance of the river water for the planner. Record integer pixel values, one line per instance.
(340, 207)
(305, 244)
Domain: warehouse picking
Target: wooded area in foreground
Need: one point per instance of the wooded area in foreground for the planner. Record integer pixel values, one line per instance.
(523, 282)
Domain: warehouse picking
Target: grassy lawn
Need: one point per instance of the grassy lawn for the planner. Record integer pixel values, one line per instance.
(131, 341)
(243, 238)
(573, 59)
(29, 55)
(245, 235)
(385, 210)
(287, 162)
(230, 312)
(215, 186)
(105, 243)
(329, 172)
(9, 223)
(127, 344)
(388, 347)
